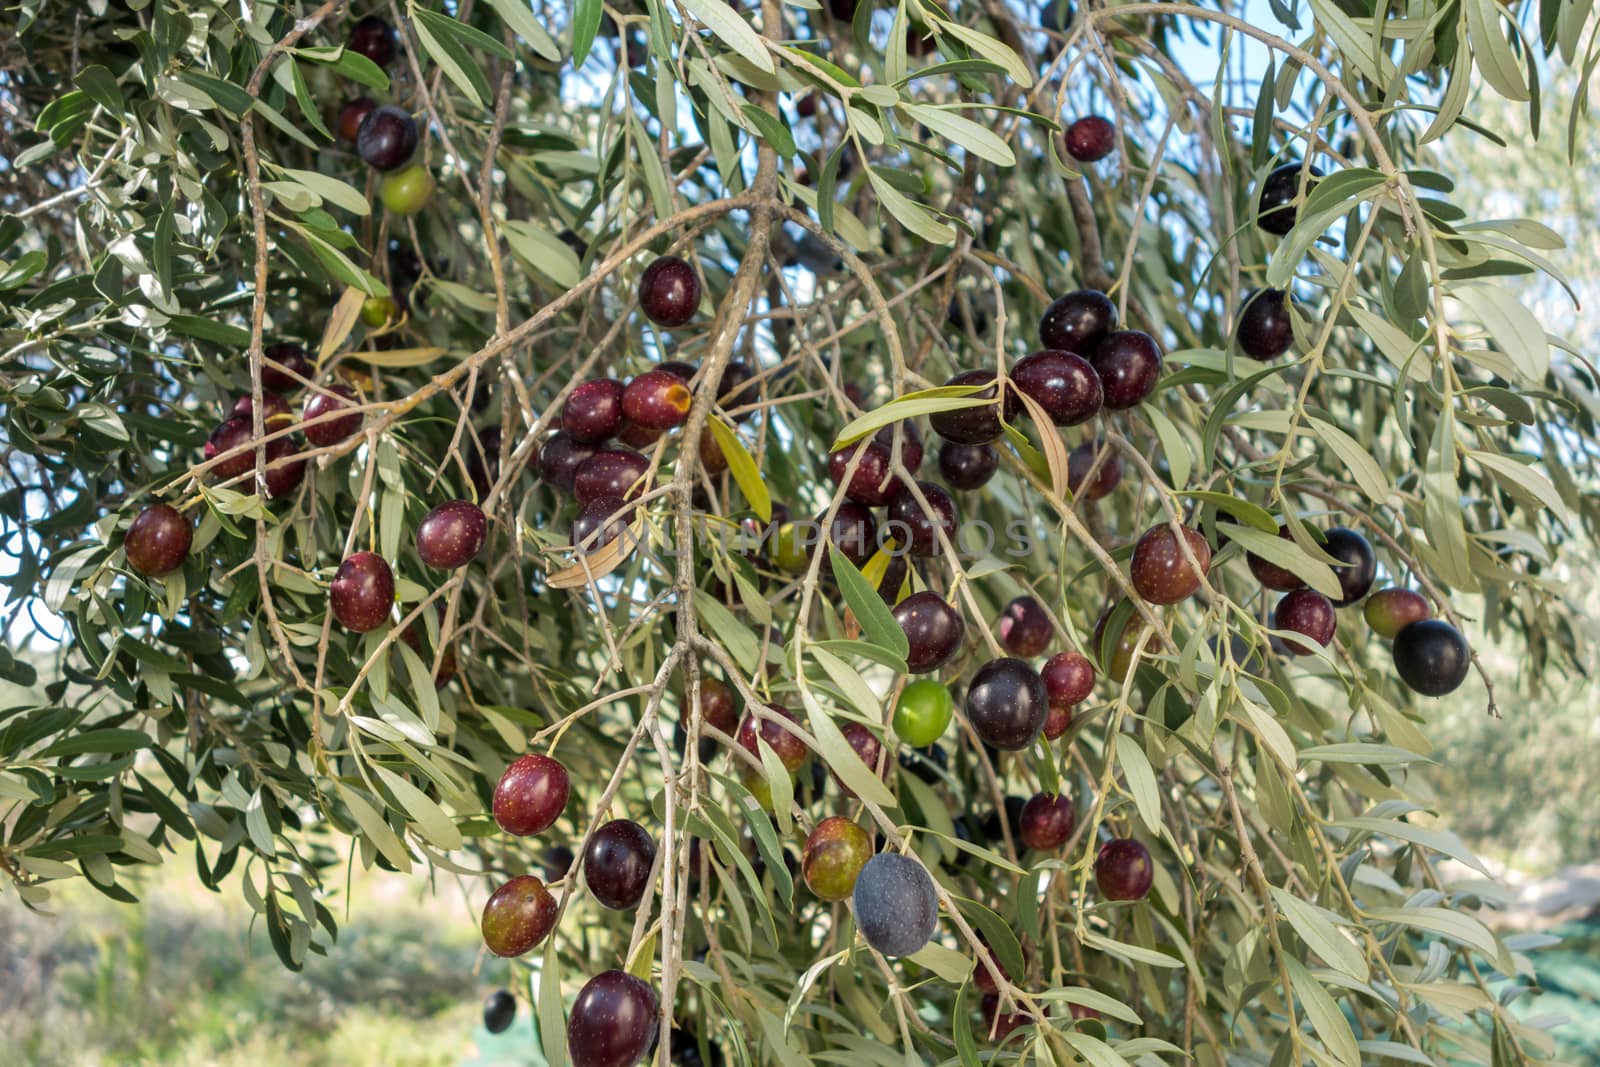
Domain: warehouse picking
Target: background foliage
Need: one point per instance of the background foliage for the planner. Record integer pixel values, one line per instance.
(175, 202)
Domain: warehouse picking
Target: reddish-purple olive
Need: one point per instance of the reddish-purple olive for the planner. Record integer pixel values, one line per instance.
(999, 1025)
(232, 433)
(283, 473)
(1270, 574)
(669, 291)
(374, 38)
(1090, 139)
(614, 1021)
(1047, 821)
(1264, 330)
(1057, 722)
(593, 411)
(452, 535)
(719, 705)
(967, 467)
(158, 540)
(1025, 629)
(980, 424)
(617, 863)
(1161, 570)
(1007, 704)
(1124, 870)
(1307, 612)
(284, 367)
(1076, 322)
(275, 412)
(531, 794)
(933, 630)
(1068, 679)
(1106, 477)
(865, 744)
(1129, 365)
(1360, 564)
(1064, 384)
(738, 389)
(600, 522)
(334, 427)
(559, 459)
(362, 592)
(387, 138)
(656, 400)
(921, 527)
(785, 744)
(519, 915)
(872, 484)
(610, 472)
(351, 116)
(853, 531)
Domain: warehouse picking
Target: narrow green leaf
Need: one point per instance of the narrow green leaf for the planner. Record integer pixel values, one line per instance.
(517, 15)
(952, 966)
(1366, 471)
(1141, 780)
(543, 251)
(907, 406)
(1326, 1018)
(977, 139)
(735, 32)
(446, 50)
(552, 1023)
(913, 216)
(1513, 327)
(771, 129)
(585, 26)
(331, 189)
(877, 622)
(1132, 953)
(1452, 925)
(1319, 929)
(1492, 52)
(1524, 480)
(841, 758)
(992, 50)
(430, 819)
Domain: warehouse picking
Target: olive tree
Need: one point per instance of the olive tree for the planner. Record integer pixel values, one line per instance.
(540, 445)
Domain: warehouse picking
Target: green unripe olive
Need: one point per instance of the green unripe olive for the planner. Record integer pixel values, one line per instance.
(406, 192)
(923, 713)
(791, 545)
(378, 311)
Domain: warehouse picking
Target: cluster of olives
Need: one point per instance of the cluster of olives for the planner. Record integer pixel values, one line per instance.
(606, 478)
(160, 537)
(613, 1021)
(385, 136)
(1430, 656)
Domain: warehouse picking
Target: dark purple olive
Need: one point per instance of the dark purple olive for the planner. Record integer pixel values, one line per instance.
(387, 138)
(1076, 322)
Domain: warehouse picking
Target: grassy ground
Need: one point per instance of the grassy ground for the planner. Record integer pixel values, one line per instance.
(179, 981)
